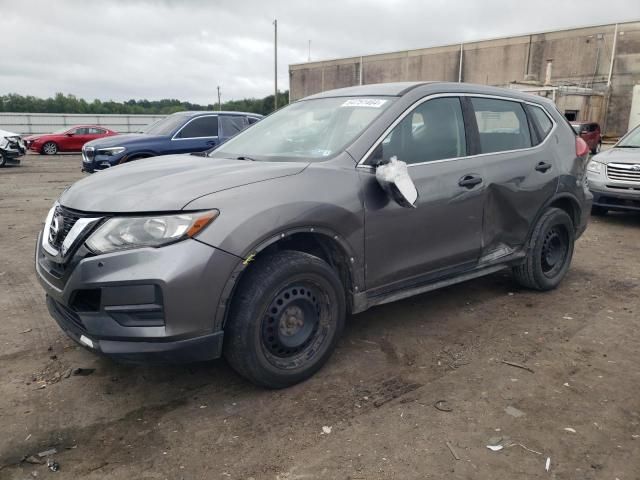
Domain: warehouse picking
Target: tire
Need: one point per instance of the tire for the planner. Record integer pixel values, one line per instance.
(599, 211)
(49, 148)
(285, 319)
(597, 148)
(550, 252)
(3, 160)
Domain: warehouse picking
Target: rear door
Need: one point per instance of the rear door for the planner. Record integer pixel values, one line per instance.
(197, 135)
(520, 165)
(79, 137)
(231, 125)
(408, 246)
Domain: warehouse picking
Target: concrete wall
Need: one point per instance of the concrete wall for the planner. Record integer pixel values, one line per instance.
(580, 56)
(26, 123)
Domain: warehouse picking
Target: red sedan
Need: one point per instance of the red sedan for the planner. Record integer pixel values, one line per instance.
(67, 140)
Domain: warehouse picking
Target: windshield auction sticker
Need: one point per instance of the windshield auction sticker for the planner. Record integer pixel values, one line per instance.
(364, 102)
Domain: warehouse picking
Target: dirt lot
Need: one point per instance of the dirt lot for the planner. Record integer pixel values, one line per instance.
(376, 395)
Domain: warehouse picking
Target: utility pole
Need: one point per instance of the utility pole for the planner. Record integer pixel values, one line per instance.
(275, 63)
(219, 104)
(309, 58)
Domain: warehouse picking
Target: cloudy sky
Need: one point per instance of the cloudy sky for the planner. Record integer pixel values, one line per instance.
(122, 49)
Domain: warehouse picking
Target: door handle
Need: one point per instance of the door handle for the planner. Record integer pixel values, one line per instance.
(469, 181)
(543, 167)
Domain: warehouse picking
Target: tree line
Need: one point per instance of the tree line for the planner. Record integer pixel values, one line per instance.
(61, 103)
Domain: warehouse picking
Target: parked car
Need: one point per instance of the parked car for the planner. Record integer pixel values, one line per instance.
(66, 140)
(614, 176)
(12, 147)
(332, 205)
(590, 133)
(182, 132)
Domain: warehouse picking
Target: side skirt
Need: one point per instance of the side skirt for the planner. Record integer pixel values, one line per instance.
(364, 301)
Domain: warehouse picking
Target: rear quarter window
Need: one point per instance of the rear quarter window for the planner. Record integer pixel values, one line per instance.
(543, 123)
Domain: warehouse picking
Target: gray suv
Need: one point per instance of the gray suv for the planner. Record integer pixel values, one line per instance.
(339, 202)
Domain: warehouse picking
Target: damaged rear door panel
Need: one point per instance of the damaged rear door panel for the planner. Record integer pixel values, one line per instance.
(521, 171)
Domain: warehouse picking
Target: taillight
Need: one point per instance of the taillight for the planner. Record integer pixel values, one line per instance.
(582, 149)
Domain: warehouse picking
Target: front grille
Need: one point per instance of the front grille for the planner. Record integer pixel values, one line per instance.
(623, 173)
(69, 219)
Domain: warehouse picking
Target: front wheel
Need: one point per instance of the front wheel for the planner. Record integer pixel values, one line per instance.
(285, 319)
(550, 252)
(50, 148)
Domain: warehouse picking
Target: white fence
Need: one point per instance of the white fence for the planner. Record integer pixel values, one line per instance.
(27, 123)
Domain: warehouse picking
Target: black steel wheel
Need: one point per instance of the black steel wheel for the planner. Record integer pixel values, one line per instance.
(555, 247)
(285, 319)
(549, 253)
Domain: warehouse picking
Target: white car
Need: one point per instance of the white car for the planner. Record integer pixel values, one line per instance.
(12, 147)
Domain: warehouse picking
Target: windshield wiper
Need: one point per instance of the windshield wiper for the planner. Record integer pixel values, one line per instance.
(628, 146)
(244, 157)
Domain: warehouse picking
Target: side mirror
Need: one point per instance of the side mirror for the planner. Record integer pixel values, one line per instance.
(69, 134)
(394, 179)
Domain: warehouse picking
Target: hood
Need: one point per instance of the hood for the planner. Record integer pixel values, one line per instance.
(619, 155)
(34, 137)
(122, 140)
(4, 133)
(167, 183)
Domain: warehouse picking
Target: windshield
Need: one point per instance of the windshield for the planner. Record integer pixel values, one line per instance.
(166, 126)
(310, 129)
(64, 130)
(631, 140)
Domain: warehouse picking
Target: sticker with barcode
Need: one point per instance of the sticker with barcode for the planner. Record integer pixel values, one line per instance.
(364, 102)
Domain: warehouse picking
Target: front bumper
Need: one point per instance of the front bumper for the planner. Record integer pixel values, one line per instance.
(91, 162)
(12, 157)
(614, 196)
(149, 305)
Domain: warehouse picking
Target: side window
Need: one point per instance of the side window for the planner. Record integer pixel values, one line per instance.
(434, 130)
(200, 127)
(542, 120)
(96, 131)
(502, 125)
(232, 125)
(252, 120)
(80, 131)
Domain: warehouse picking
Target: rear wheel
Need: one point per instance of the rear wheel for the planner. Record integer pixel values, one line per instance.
(599, 211)
(285, 319)
(550, 252)
(49, 148)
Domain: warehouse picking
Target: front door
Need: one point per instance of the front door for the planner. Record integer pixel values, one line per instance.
(443, 234)
(197, 135)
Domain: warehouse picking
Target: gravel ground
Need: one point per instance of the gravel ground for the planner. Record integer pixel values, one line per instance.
(370, 412)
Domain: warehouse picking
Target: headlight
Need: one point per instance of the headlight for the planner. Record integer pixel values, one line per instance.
(110, 151)
(123, 233)
(594, 167)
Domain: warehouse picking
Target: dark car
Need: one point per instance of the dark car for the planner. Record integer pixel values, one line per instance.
(182, 132)
(334, 204)
(590, 133)
(614, 176)
(69, 139)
